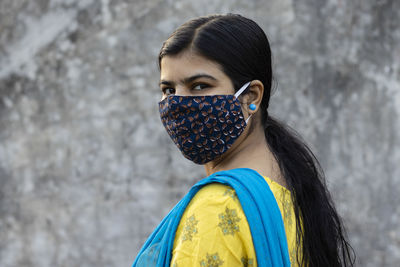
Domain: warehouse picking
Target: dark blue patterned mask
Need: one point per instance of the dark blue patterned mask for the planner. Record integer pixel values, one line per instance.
(203, 127)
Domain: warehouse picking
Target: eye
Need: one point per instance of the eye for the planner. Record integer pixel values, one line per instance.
(200, 86)
(168, 91)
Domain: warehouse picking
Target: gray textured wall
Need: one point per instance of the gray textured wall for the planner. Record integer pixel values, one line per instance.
(86, 169)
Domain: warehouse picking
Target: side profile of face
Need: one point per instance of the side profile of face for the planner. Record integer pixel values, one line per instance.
(215, 121)
(189, 74)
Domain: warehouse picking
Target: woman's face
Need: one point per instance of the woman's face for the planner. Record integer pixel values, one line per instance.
(189, 74)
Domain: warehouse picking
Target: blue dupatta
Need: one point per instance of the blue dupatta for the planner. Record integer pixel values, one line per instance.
(259, 206)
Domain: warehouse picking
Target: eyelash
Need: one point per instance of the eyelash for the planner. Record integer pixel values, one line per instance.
(165, 89)
(201, 84)
(202, 87)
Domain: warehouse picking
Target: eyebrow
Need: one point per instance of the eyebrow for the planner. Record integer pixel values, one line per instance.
(190, 79)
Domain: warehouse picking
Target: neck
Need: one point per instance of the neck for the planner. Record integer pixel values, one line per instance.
(253, 152)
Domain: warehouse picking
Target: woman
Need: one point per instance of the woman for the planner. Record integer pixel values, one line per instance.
(264, 202)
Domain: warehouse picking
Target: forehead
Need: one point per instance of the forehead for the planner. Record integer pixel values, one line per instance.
(188, 64)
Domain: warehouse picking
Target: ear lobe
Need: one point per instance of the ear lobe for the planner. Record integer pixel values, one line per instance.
(252, 106)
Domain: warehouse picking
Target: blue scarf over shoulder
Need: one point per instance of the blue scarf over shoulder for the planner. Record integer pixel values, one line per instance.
(259, 206)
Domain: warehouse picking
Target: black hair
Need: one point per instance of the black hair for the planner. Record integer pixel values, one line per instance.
(242, 49)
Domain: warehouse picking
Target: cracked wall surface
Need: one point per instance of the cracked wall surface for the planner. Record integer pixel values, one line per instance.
(87, 170)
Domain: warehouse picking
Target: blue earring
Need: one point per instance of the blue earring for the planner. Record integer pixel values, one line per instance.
(252, 107)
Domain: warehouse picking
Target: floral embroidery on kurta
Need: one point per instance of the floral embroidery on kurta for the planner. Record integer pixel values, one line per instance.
(212, 260)
(232, 193)
(229, 221)
(190, 228)
(247, 262)
(287, 207)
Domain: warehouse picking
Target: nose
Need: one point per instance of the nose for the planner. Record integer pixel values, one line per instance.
(182, 90)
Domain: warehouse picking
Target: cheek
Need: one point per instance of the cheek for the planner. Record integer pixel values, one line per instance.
(227, 86)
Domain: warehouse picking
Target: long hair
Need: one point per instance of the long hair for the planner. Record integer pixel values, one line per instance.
(242, 49)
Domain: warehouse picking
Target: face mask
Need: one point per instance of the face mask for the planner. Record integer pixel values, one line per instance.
(203, 127)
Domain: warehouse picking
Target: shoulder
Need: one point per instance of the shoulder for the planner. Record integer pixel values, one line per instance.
(211, 203)
(213, 225)
(214, 192)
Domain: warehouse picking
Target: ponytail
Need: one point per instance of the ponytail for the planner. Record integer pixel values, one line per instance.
(318, 225)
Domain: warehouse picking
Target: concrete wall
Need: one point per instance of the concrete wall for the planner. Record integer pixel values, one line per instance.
(86, 168)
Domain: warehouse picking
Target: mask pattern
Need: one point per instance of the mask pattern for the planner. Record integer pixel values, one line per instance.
(203, 127)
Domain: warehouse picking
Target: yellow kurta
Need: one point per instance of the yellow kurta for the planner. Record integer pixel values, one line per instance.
(214, 231)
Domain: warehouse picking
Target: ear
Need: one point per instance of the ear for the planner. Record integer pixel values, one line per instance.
(254, 96)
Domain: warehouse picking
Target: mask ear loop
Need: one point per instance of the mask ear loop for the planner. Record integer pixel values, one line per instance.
(237, 94)
(244, 87)
(248, 118)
